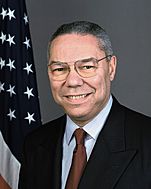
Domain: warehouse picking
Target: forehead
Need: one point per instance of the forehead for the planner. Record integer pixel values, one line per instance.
(74, 46)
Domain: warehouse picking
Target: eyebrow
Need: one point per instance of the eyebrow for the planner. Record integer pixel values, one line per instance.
(56, 62)
(59, 62)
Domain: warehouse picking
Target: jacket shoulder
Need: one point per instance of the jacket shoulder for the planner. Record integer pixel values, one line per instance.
(131, 116)
(50, 130)
(137, 118)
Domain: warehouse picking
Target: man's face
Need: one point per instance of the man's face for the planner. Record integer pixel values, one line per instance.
(81, 98)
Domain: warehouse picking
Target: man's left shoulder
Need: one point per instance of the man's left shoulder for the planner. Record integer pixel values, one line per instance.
(138, 127)
(137, 118)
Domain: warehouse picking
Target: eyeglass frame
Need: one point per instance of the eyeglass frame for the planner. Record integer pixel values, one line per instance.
(75, 67)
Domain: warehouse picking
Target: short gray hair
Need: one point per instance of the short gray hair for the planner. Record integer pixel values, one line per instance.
(85, 28)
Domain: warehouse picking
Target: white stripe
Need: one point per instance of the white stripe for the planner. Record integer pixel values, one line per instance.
(9, 165)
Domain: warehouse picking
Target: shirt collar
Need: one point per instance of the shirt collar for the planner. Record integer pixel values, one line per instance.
(93, 128)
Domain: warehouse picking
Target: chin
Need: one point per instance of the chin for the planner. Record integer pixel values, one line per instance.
(76, 114)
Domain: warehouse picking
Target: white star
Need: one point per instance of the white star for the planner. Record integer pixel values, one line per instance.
(29, 92)
(2, 63)
(3, 37)
(30, 117)
(26, 42)
(3, 13)
(10, 40)
(28, 68)
(11, 90)
(11, 114)
(25, 18)
(1, 86)
(11, 64)
(11, 14)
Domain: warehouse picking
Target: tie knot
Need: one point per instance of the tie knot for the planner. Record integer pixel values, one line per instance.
(79, 136)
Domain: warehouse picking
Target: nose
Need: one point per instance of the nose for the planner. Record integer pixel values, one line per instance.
(73, 79)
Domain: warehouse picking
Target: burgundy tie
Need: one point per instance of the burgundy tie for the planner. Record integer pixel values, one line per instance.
(78, 161)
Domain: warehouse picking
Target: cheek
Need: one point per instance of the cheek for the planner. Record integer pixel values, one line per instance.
(55, 90)
(103, 84)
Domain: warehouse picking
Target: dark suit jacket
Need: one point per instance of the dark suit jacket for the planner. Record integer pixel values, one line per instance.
(121, 158)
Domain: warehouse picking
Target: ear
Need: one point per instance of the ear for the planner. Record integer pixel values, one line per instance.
(112, 67)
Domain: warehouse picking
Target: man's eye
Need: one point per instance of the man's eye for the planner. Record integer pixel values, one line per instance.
(58, 69)
(87, 67)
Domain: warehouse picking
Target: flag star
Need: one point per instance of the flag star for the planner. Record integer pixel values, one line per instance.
(3, 13)
(25, 18)
(11, 90)
(1, 86)
(26, 42)
(2, 63)
(29, 92)
(3, 37)
(11, 14)
(30, 117)
(10, 40)
(11, 64)
(28, 68)
(11, 114)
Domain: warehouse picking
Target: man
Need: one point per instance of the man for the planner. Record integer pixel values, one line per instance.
(117, 140)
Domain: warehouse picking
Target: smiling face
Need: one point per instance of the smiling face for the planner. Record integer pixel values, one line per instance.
(81, 98)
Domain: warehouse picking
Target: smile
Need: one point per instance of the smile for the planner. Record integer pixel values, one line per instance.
(74, 97)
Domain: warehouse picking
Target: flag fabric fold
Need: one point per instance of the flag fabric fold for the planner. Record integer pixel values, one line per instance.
(19, 102)
(9, 166)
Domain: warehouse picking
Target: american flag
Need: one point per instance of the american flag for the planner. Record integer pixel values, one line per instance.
(19, 102)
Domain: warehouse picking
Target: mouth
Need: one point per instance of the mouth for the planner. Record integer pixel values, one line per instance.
(76, 97)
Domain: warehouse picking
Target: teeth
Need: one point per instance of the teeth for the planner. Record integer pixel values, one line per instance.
(77, 96)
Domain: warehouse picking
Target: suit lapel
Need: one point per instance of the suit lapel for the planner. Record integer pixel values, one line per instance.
(109, 158)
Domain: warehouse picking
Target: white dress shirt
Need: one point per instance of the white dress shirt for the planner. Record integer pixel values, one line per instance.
(92, 129)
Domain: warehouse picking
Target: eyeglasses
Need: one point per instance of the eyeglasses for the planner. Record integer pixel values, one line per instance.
(85, 68)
